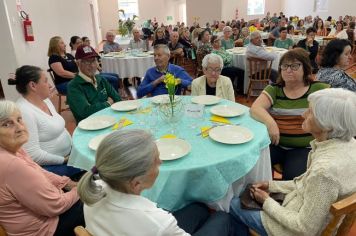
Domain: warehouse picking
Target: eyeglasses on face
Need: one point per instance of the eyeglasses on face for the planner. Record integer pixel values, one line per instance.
(211, 70)
(294, 66)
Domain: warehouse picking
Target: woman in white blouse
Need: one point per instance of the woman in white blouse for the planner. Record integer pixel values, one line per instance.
(339, 31)
(49, 142)
(212, 83)
(127, 162)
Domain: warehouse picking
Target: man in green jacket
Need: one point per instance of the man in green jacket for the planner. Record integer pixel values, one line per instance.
(88, 92)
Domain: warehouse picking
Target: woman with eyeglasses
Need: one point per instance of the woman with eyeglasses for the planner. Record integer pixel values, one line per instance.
(280, 107)
(212, 83)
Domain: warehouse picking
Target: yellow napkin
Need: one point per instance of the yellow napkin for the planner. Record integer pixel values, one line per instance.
(203, 129)
(125, 121)
(219, 119)
(169, 136)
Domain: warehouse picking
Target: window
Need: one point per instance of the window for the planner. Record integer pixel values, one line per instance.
(130, 7)
(255, 7)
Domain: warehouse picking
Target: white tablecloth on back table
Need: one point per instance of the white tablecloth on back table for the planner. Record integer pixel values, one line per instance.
(129, 66)
(239, 60)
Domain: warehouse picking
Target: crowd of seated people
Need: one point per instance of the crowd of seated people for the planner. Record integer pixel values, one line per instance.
(309, 121)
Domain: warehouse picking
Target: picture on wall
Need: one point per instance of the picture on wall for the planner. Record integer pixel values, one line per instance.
(321, 5)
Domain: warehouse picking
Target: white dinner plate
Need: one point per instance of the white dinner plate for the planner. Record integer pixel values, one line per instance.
(95, 142)
(226, 111)
(206, 99)
(163, 99)
(128, 105)
(172, 148)
(231, 134)
(97, 122)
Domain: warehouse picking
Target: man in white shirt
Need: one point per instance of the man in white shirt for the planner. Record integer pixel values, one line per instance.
(137, 42)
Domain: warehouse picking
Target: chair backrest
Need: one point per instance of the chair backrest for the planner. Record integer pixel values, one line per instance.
(344, 209)
(2, 231)
(200, 57)
(50, 72)
(259, 69)
(81, 231)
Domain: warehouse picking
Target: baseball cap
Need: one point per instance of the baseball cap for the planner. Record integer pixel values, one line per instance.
(85, 52)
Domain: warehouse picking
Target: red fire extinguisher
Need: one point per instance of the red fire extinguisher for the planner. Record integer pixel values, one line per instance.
(27, 26)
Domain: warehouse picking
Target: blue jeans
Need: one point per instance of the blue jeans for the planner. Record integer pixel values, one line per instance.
(62, 88)
(112, 78)
(196, 220)
(62, 170)
(245, 219)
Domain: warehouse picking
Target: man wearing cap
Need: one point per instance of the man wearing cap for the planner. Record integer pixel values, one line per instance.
(154, 77)
(88, 92)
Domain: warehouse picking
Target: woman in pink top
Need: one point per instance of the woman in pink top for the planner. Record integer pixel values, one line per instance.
(33, 201)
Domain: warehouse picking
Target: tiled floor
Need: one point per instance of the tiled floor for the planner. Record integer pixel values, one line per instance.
(71, 124)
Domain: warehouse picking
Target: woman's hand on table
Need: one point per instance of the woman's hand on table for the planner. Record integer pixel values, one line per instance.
(273, 132)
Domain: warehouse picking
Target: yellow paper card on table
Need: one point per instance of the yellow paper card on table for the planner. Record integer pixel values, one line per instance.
(169, 136)
(205, 131)
(219, 119)
(122, 123)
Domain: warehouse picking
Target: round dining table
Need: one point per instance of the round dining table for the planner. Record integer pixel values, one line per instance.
(212, 172)
(127, 65)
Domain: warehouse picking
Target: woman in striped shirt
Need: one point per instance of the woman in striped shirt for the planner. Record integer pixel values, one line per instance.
(280, 107)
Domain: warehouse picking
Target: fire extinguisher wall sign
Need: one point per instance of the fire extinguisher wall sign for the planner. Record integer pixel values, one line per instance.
(27, 26)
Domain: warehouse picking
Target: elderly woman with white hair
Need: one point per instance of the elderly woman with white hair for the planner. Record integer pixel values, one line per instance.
(330, 175)
(212, 82)
(127, 162)
(226, 41)
(33, 201)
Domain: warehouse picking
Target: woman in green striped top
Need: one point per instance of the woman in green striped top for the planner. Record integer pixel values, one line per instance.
(280, 108)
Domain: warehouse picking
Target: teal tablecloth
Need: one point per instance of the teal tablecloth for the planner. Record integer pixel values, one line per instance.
(204, 175)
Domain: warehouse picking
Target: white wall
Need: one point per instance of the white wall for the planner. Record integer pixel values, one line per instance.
(49, 18)
(206, 10)
(229, 9)
(306, 7)
(109, 16)
(148, 9)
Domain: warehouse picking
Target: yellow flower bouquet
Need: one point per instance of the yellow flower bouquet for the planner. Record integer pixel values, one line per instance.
(171, 84)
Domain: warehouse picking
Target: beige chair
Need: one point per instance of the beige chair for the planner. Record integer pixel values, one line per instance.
(2, 231)
(259, 73)
(81, 231)
(60, 95)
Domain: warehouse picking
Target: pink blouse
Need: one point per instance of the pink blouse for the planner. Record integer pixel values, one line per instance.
(31, 198)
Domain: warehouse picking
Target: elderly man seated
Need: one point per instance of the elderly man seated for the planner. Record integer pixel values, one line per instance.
(255, 49)
(212, 83)
(110, 45)
(153, 81)
(88, 92)
(175, 47)
(137, 42)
